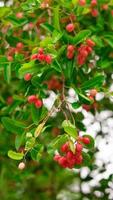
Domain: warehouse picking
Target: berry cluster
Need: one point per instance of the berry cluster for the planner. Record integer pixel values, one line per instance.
(70, 51)
(54, 83)
(40, 56)
(14, 50)
(35, 100)
(70, 159)
(84, 51)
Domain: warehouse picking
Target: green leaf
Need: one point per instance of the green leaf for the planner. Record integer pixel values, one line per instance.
(91, 144)
(28, 68)
(76, 105)
(56, 18)
(83, 99)
(15, 156)
(92, 83)
(86, 159)
(13, 126)
(81, 36)
(56, 36)
(47, 27)
(30, 143)
(7, 72)
(69, 128)
(56, 65)
(109, 40)
(37, 151)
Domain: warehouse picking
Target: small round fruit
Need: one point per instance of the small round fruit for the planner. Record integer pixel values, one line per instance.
(82, 2)
(90, 42)
(70, 28)
(19, 45)
(38, 103)
(19, 15)
(56, 157)
(32, 99)
(70, 48)
(94, 12)
(27, 77)
(79, 147)
(48, 59)
(65, 147)
(86, 140)
(21, 165)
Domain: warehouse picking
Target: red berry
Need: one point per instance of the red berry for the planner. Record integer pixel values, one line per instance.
(86, 107)
(78, 159)
(65, 148)
(40, 50)
(63, 162)
(105, 7)
(93, 3)
(70, 48)
(86, 140)
(19, 45)
(90, 43)
(94, 12)
(32, 99)
(27, 77)
(34, 57)
(10, 58)
(19, 15)
(82, 2)
(79, 147)
(41, 57)
(112, 13)
(56, 157)
(69, 156)
(9, 100)
(70, 55)
(70, 27)
(38, 103)
(48, 59)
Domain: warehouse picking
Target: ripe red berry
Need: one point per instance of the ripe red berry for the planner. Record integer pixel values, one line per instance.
(9, 100)
(78, 159)
(34, 57)
(63, 162)
(70, 55)
(112, 13)
(94, 3)
(40, 50)
(69, 156)
(27, 77)
(105, 7)
(38, 103)
(48, 59)
(19, 45)
(56, 157)
(41, 57)
(79, 147)
(10, 58)
(32, 99)
(70, 27)
(19, 15)
(94, 12)
(90, 43)
(86, 107)
(82, 2)
(86, 140)
(65, 147)
(70, 48)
